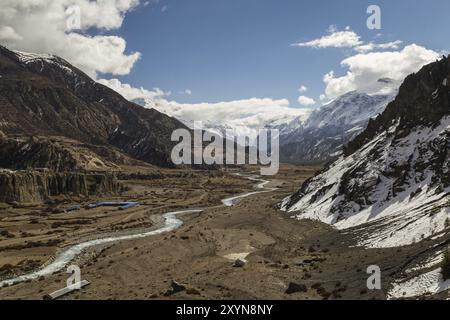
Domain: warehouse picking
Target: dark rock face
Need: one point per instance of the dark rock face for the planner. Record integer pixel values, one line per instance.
(295, 287)
(34, 187)
(59, 155)
(24, 155)
(49, 97)
(175, 287)
(239, 263)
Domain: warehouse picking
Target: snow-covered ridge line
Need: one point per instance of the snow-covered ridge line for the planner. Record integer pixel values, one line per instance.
(29, 58)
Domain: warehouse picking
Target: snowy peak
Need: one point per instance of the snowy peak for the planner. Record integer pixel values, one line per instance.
(27, 57)
(350, 109)
(43, 60)
(327, 129)
(50, 66)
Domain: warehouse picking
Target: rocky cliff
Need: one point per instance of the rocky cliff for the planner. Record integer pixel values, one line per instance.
(34, 186)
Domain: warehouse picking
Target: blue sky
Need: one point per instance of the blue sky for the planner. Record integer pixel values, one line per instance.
(235, 49)
(232, 50)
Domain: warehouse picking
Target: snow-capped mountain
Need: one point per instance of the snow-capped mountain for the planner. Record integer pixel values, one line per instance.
(392, 182)
(350, 109)
(240, 121)
(44, 95)
(328, 128)
(305, 134)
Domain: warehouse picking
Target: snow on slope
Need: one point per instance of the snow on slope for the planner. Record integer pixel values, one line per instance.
(423, 279)
(424, 284)
(391, 215)
(350, 109)
(28, 58)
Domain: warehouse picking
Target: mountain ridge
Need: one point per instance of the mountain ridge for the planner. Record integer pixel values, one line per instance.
(45, 95)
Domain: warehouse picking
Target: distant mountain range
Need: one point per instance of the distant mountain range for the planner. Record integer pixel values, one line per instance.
(306, 135)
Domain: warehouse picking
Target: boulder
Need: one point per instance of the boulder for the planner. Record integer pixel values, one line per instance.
(239, 263)
(175, 287)
(295, 287)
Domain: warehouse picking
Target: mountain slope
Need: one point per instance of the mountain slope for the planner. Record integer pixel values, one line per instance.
(327, 129)
(392, 182)
(43, 95)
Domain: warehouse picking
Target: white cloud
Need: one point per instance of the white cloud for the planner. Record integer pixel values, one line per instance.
(347, 39)
(242, 115)
(188, 92)
(373, 62)
(371, 46)
(132, 93)
(364, 70)
(8, 33)
(41, 26)
(335, 39)
(306, 101)
(302, 89)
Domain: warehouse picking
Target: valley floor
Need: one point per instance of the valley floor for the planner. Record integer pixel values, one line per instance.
(278, 249)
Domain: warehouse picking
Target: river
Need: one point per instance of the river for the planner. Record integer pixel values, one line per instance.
(171, 223)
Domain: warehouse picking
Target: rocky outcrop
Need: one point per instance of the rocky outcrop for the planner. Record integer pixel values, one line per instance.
(30, 153)
(34, 187)
(59, 155)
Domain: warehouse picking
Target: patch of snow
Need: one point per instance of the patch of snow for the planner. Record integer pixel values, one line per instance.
(240, 255)
(427, 264)
(355, 129)
(435, 94)
(27, 58)
(424, 284)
